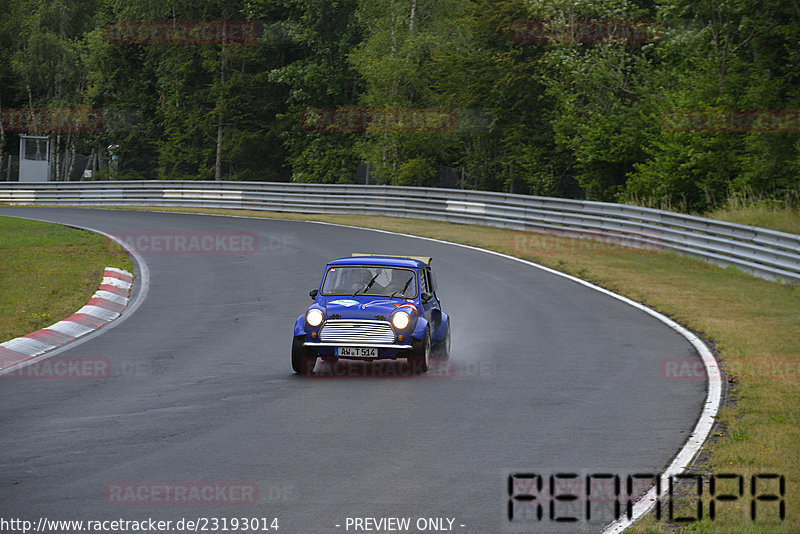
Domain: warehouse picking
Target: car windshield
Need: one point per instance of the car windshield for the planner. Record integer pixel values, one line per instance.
(370, 280)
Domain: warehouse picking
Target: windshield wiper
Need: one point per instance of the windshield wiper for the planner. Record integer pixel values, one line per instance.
(369, 285)
(404, 288)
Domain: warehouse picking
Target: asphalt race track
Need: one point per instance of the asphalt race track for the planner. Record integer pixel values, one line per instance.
(546, 376)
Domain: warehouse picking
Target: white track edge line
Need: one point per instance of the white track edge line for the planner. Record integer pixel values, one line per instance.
(694, 442)
(705, 422)
(134, 301)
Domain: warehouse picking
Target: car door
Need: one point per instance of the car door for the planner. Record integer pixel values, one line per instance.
(433, 307)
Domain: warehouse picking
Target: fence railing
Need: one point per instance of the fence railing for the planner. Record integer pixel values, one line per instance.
(765, 253)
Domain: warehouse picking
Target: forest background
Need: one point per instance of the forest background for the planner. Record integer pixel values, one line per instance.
(672, 103)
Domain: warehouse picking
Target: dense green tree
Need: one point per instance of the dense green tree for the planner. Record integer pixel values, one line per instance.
(525, 101)
(199, 110)
(122, 82)
(716, 58)
(394, 60)
(594, 74)
(43, 69)
(510, 147)
(5, 76)
(320, 34)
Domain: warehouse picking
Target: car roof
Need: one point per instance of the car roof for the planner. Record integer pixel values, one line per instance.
(383, 261)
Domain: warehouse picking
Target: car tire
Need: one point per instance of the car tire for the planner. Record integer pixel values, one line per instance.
(420, 358)
(303, 359)
(442, 350)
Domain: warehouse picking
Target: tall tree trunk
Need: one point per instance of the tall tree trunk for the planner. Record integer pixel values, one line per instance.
(56, 168)
(71, 165)
(412, 16)
(393, 47)
(2, 141)
(220, 114)
(30, 101)
(61, 154)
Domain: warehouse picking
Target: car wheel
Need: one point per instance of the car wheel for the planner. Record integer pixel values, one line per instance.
(303, 359)
(420, 357)
(442, 350)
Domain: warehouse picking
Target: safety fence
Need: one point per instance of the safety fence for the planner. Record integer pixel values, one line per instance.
(765, 253)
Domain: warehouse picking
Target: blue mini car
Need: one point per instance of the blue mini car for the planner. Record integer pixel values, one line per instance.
(370, 307)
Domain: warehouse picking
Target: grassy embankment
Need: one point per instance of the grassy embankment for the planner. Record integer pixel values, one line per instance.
(782, 219)
(48, 271)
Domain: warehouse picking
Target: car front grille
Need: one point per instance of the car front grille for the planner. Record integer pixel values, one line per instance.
(352, 331)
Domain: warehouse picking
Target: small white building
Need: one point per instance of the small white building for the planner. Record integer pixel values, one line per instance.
(34, 158)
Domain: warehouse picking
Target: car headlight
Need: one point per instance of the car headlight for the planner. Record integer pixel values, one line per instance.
(400, 320)
(314, 317)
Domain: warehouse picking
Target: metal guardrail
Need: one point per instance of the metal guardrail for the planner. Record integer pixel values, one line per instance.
(765, 253)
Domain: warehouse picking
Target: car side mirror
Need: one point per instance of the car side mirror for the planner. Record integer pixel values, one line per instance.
(313, 293)
(426, 297)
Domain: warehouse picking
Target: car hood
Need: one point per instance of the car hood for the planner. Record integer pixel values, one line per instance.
(364, 307)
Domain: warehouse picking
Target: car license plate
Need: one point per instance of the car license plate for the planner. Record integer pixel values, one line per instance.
(357, 352)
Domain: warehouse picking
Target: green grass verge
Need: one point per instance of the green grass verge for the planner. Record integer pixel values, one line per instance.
(48, 272)
(754, 325)
(783, 219)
